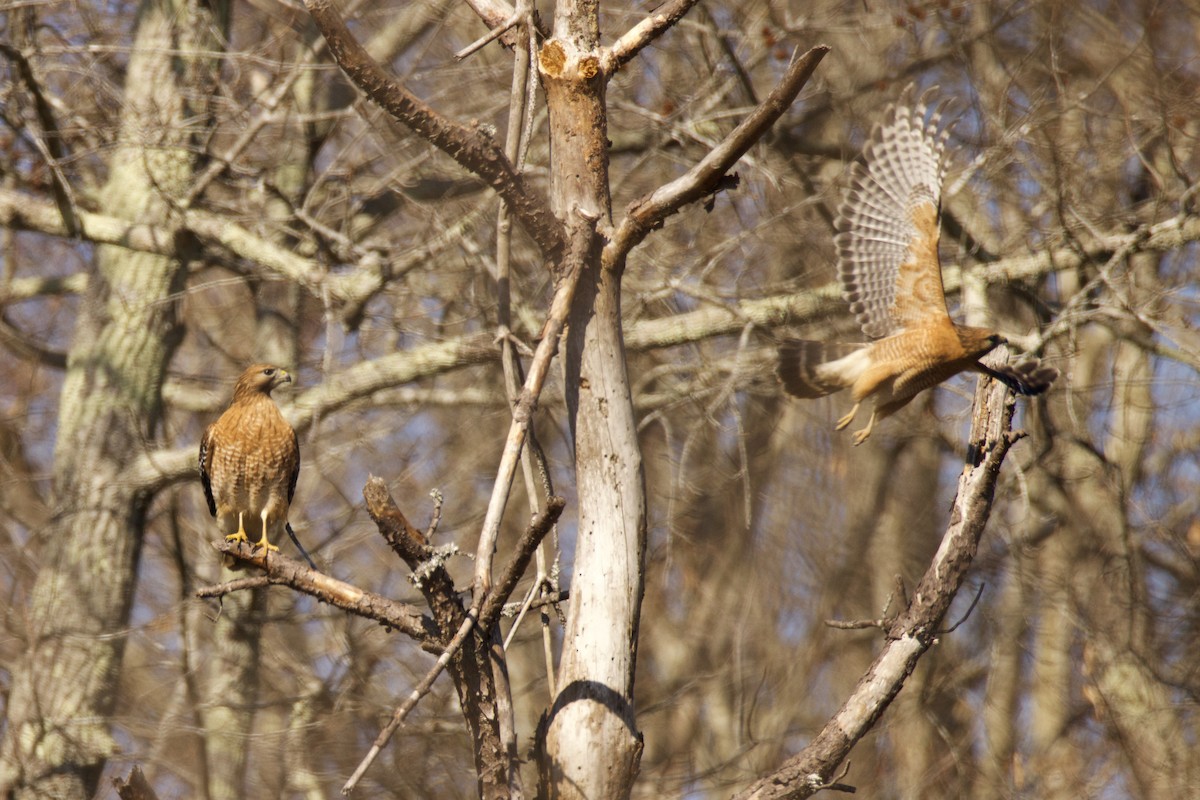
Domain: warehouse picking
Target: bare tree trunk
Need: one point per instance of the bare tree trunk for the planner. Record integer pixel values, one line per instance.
(592, 743)
(57, 738)
(231, 691)
(232, 688)
(1000, 705)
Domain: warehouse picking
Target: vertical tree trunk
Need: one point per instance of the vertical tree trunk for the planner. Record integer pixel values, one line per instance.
(1134, 703)
(1003, 694)
(592, 743)
(231, 691)
(232, 688)
(56, 739)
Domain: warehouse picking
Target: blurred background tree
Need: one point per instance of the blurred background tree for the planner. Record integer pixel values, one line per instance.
(186, 187)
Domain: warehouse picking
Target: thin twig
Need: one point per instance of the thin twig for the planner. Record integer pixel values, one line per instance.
(488, 38)
(491, 608)
(410, 702)
(435, 518)
(967, 615)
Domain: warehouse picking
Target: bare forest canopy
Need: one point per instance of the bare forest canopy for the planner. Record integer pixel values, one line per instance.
(529, 265)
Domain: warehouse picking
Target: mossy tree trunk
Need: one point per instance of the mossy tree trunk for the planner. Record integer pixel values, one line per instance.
(58, 738)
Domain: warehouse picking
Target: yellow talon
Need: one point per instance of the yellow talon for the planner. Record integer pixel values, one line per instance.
(240, 536)
(264, 543)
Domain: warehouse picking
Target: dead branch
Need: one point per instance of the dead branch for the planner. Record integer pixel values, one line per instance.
(916, 629)
(468, 656)
(661, 20)
(134, 786)
(279, 570)
(473, 149)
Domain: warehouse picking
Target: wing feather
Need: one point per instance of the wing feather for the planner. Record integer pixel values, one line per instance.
(887, 224)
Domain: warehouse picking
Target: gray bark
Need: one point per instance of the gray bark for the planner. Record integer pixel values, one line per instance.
(592, 742)
(64, 689)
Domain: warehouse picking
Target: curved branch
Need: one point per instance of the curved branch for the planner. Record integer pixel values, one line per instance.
(469, 146)
(709, 175)
(916, 629)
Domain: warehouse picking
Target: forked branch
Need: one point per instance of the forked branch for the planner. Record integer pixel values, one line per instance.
(466, 651)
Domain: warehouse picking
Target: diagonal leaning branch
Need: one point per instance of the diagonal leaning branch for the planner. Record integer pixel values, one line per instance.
(916, 629)
(465, 655)
(470, 147)
(633, 41)
(708, 176)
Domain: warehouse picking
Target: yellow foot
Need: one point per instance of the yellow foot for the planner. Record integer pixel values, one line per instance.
(846, 420)
(264, 543)
(240, 536)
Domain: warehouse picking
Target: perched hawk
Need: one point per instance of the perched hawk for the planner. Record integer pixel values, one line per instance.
(249, 462)
(887, 245)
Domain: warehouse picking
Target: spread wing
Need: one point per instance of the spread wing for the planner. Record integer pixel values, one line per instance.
(887, 240)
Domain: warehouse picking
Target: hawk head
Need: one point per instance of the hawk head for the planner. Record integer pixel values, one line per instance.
(978, 342)
(260, 379)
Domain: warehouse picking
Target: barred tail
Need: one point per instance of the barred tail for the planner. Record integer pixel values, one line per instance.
(1028, 377)
(288, 527)
(814, 369)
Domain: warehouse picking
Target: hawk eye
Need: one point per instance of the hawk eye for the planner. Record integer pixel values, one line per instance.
(269, 371)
